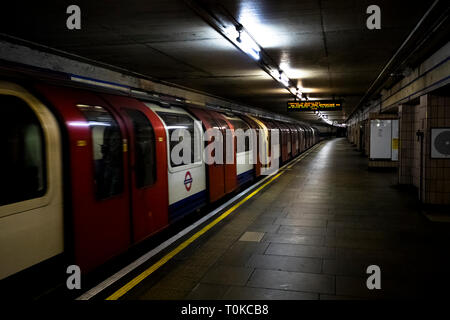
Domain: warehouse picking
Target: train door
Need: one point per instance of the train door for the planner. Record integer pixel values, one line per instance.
(294, 139)
(244, 150)
(284, 138)
(216, 171)
(97, 147)
(263, 146)
(148, 166)
(282, 143)
(255, 126)
(31, 198)
(301, 139)
(186, 171)
(287, 131)
(308, 137)
(230, 168)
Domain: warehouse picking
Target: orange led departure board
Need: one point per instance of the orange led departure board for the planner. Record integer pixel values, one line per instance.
(321, 105)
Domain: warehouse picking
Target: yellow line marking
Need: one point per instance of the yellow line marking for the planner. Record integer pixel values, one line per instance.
(131, 284)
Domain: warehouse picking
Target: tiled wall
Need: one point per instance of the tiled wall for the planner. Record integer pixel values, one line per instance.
(354, 133)
(431, 112)
(367, 136)
(407, 144)
(419, 118)
(437, 171)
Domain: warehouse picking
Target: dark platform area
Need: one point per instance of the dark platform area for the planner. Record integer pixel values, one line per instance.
(311, 234)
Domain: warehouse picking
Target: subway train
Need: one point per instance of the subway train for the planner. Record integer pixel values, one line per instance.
(87, 173)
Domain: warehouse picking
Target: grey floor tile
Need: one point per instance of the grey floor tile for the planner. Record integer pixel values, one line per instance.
(163, 294)
(240, 253)
(313, 231)
(294, 239)
(247, 293)
(310, 216)
(295, 281)
(252, 236)
(205, 291)
(358, 267)
(266, 219)
(298, 250)
(301, 222)
(390, 288)
(285, 263)
(264, 227)
(227, 275)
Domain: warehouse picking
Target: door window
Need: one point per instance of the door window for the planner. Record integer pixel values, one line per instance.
(176, 121)
(144, 149)
(107, 147)
(22, 161)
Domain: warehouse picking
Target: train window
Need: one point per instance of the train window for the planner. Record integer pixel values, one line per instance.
(22, 164)
(239, 124)
(144, 149)
(107, 150)
(175, 121)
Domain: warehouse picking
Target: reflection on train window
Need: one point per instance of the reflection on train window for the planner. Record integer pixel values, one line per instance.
(175, 121)
(240, 124)
(22, 163)
(107, 151)
(144, 149)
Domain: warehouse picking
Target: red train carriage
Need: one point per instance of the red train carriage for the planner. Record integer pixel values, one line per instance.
(90, 174)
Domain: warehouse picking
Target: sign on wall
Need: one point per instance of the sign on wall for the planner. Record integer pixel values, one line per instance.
(320, 105)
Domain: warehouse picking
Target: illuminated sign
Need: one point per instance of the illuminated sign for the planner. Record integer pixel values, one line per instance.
(320, 105)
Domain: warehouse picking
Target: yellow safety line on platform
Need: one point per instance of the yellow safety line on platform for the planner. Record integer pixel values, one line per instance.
(123, 290)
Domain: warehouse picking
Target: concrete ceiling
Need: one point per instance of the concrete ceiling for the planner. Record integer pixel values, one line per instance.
(324, 43)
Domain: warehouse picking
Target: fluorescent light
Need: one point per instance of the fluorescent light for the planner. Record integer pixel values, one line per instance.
(298, 93)
(244, 42)
(284, 79)
(280, 76)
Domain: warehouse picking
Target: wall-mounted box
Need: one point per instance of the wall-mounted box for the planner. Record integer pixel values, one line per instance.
(384, 142)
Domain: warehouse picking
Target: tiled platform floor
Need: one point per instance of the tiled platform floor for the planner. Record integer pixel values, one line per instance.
(314, 232)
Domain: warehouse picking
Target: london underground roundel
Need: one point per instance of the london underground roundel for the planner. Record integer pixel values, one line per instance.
(188, 181)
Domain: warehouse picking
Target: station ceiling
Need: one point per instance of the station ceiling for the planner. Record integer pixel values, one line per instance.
(324, 45)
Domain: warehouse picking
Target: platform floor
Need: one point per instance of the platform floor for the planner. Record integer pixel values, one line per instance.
(311, 234)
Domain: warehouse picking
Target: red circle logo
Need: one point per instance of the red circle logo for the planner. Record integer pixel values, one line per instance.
(188, 181)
